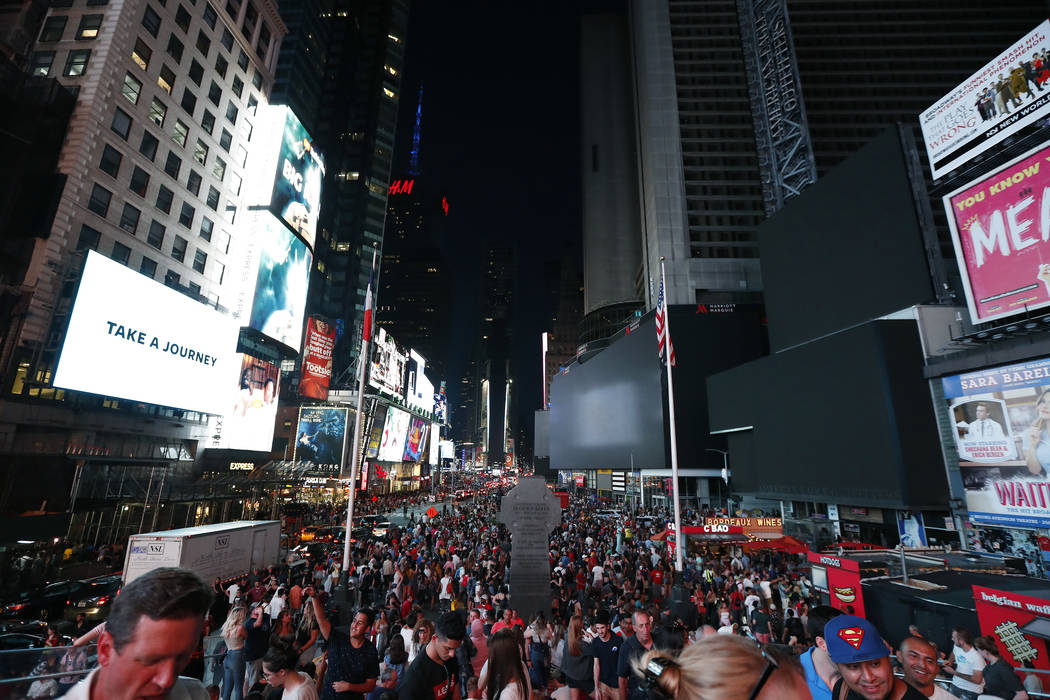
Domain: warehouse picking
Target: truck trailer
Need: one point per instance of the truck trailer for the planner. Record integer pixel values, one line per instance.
(222, 550)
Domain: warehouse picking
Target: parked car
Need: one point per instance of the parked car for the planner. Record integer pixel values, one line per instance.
(48, 603)
(380, 524)
(94, 603)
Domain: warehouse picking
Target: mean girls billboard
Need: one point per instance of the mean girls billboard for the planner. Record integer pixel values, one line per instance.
(1000, 227)
(1001, 418)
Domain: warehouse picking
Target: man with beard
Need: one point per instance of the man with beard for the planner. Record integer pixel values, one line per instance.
(353, 662)
(863, 659)
(918, 659)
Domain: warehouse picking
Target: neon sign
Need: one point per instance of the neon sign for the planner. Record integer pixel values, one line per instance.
(444, 205)
(401, 186)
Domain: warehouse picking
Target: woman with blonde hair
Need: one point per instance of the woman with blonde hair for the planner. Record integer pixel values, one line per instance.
(306, 634)
(578, 660)
(233, 665)
(723, 667)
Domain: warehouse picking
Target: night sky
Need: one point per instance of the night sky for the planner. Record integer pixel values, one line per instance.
(501, 140)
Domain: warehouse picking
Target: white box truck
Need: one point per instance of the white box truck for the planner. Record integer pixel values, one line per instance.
(221, 550)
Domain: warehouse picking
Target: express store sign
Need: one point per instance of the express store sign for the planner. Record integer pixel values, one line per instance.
(1020, 625)
(839, 578)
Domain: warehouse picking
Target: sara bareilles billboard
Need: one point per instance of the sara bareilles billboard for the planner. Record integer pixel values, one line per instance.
(1000, 225)
(133, 338)
(317, 359)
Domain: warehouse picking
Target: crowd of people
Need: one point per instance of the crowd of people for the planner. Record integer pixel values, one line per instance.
(433, 616)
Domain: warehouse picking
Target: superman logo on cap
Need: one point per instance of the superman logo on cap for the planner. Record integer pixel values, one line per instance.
(852, 636)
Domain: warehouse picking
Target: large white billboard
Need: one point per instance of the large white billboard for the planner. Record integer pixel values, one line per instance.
(392, 448)
(420, 393)
(133, 338)
(251, 408)
(388, 365)
(1008, 94)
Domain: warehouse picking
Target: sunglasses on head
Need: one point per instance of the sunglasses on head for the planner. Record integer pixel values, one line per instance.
(656, 667)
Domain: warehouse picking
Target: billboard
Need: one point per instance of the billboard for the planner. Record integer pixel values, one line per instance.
(999, 229)
(375, 435)
(251, 411)
(285, 171)
(395, 430)
(435, 443)
(1020, 625)
(317, 359)
(1001, 419)
(388, 365)
(416, 441)
(321, 437)
(133, 338)
(1006, 95)
(420, 391)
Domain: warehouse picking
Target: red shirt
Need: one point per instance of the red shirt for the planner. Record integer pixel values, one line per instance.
(657, 577)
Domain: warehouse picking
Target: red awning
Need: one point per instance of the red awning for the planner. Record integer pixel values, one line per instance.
(660, 536)
(787, 543)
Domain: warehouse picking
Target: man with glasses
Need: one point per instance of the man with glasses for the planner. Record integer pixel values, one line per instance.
(863, 659)
(632, 685)
(353, 662)
(434, 674)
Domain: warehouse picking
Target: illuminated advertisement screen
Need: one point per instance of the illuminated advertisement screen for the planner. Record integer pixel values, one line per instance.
(388, 365)
(395, 430)
(1001, 425)
(375, 435)
(316, 370)
(320, 437)
(297, 186)
(1006, 95)
(133, 338)
(416, 441)
(996, 224)
(248, 422)
(435, 443)
(275, 281)
(420, 392)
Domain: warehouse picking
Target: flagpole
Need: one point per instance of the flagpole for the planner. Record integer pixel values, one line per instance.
(679, 544)
(362, 361)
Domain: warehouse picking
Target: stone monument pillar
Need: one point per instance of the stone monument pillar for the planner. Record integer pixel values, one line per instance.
(530, 511)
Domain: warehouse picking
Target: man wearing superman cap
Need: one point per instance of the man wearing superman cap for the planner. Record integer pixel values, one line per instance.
(863, 659)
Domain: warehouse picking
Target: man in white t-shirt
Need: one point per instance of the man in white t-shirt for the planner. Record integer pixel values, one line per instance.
(277, 604)
(965, 666)
(233, 591)
(750, 601)
(598, 574)
(444, 588)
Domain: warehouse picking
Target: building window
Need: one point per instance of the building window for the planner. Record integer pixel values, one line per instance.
(166, 79)
(155, 237)
(157, 112)
(141, 54)
(252, 104)
(210, 15)
(149, 144)
(242, 60)
(237, 86)
(231, 112)
(131, 89)
(235, 183)
(227, 39)
(218, 169)
(129, 219)
(172, 279)
(178, 249)
(76, 62)
(218, 271)
(54, 26)
(89, 26)
(180, 133)
(173, 165)
(257, 80)
(195, 289)
(196, 72)
(148, 267)
(221, 65)
(40, 63)
(203, 43)
(99, 201)
(182, 18)
(242, 156)
(214, 94)
(213, 199)
(231, 212)
(139, 181)
(200, 152)
(251, 16)
(189, 102)
(151, 21)
(175, 48)
(233, 7)
(121, 124)
(246, 130)
(208, 121)
(88, 239)
(200, 260)
(165, 197)
(225, 140)
(193, 182)
(186, 215)
(121, 253)
(207, 226)
(110, 162)
(263, 45)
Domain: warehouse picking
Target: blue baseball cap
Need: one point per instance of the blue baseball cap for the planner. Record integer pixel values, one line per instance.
(851, 639)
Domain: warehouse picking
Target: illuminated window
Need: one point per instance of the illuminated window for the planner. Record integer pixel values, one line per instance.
(157, 112)
(180, 133)
(131, 89)
(389, 93)
(40, 63)
(391, 70)
(200, 152)
(141, 54)
(76, 62)
(89, 26)
(166, 79)
(393, 38)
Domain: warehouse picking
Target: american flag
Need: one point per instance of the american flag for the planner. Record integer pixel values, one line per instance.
(662, 334)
